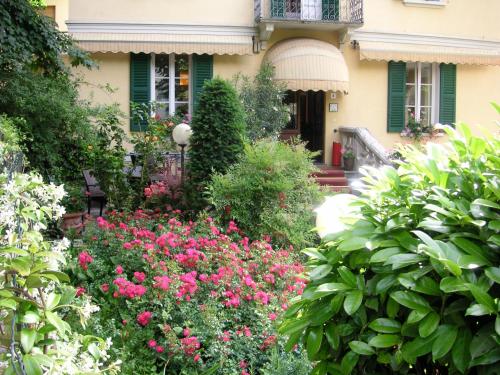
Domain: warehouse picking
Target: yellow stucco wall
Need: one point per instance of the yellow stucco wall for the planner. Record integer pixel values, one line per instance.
(62, 12)
(177, 12)
(113, 70)
(474, 19)
(366, 103)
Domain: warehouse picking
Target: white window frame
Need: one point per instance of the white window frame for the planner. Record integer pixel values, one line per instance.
(171, 83)
(426, 3)
(435, 92)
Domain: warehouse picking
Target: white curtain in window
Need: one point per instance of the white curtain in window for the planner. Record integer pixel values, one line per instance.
(311, 9)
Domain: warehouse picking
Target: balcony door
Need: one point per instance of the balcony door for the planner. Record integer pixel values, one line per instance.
(311, 10)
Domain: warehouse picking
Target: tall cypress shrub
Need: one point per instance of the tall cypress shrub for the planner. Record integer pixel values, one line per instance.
(218, 132)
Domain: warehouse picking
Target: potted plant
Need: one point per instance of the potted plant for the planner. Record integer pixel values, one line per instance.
(349, 158)
(74, 203)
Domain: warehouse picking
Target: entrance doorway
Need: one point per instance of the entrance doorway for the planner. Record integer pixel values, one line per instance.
(307, 119)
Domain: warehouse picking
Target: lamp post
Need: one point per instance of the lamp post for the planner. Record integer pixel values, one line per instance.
(181, 135)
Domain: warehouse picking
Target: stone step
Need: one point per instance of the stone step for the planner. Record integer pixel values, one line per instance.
(332, 181)
(338, 189)
(329, 173)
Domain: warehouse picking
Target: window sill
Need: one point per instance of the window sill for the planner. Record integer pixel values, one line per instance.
(426, 4)
(436, 134)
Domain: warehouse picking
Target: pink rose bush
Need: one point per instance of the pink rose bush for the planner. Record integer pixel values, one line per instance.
(191, 296)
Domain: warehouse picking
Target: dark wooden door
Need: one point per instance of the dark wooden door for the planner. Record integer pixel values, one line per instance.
(307, 111)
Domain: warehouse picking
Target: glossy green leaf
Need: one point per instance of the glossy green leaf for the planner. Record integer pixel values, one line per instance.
(292, 341)
(347, 276)
(486, 203)
(472, 249)
(417, 348)
(320, 272)
(8, 303)
(361, 348)
(384, 325)
(403, 260)
(30, 317)
(477, 310)
(314, 340)
(385, 284)
(353, 243)
(384, 254)
(411, 300)
(493, 274)
(392, 308)
(460, 352)
(426, 285)
(332, 335)
(453, 284)
(444, 341)
(348, 363)
(416, 316)
(482, 298)
(384, 341)
(21, 266)
(31, 365)
(28, 337)
(428, 324)
(314, 254)
(57, 322)
(333, 287)
(493, 356)
(353, 301)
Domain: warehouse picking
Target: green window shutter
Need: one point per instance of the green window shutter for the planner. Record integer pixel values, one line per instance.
(396, 97)
(331, 10)
(447, 93)
(203, 69)
(140, 85)
(278, 8)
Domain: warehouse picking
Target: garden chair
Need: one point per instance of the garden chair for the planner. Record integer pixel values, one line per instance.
(93, 192)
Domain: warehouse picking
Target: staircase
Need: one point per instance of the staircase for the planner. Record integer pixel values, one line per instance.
(332, 178)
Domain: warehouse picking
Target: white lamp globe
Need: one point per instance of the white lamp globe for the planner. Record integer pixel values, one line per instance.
(331, 214)
(181, 134)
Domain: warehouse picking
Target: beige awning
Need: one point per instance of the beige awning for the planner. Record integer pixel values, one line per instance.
(164, 43)
(385, 51)
(309, 64)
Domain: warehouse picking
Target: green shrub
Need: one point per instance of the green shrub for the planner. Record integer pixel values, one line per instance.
(218, 131)
(269, 192)
(413, 285)
(54, 126)
(265, 112)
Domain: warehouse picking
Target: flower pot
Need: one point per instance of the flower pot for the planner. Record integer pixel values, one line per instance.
(349, 164)
(72, 220)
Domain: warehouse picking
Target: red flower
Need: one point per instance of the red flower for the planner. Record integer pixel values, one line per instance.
(84, 259)
(160, 349)
(144, 317)
(152, 344)
(105, 288)
(80, 291)
(119, 270)
(139, 276)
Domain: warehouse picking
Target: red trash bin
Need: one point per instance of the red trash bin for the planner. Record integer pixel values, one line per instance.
(336, 154)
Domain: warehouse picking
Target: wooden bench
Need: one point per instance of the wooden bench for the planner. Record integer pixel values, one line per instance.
(93, 192)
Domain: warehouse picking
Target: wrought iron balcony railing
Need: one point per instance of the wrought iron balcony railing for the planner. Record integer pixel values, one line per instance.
(331, 11)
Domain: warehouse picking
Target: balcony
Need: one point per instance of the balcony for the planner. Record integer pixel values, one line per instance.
(329, 14)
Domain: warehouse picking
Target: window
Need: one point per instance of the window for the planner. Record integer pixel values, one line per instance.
(170, 88)
(422, 92)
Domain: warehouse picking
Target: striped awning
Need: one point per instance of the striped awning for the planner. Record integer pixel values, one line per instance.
(162, 39)
(309, 64)
(428, 53)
